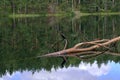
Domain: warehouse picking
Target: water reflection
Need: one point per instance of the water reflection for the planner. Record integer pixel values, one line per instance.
(84, 71)
(22, 39)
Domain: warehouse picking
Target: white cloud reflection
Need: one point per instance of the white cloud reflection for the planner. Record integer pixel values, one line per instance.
(82, 72)
(94, 69)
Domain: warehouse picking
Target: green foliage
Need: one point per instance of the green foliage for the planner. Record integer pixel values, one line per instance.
(56, 6)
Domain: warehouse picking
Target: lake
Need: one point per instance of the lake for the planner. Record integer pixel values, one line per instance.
(23, 39)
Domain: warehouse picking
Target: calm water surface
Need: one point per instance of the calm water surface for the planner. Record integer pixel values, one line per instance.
(23, 39)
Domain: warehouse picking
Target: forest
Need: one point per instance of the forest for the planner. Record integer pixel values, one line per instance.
(23, 39)
(57, 6)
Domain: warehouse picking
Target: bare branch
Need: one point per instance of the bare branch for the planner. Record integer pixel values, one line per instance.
(79, 50)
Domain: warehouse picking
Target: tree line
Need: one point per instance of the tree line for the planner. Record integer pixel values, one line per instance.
(56, 6)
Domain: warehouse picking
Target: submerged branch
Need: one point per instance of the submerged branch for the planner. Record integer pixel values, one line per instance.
(93, 48)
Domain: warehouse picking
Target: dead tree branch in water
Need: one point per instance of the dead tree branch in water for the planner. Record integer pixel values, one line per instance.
(86, 48)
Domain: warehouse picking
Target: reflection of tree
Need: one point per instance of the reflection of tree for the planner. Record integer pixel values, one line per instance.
(23, 39)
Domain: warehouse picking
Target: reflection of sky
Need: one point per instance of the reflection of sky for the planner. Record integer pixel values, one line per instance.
(84, 71)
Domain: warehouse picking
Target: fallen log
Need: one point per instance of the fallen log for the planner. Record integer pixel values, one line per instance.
(104, 43)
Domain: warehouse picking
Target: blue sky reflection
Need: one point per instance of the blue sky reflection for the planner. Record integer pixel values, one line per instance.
(82, 72)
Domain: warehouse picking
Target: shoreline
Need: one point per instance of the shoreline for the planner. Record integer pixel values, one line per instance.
(75, 14)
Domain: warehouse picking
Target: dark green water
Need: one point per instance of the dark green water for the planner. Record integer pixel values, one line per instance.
(23, 39)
